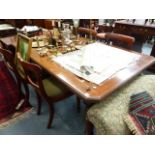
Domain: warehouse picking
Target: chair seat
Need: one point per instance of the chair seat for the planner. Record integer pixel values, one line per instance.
(54, 88)
(107, 116)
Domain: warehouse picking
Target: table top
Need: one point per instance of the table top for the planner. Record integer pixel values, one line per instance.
(84, 89)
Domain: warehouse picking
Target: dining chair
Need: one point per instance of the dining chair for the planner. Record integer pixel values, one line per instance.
(9, 93)
(50, 89)
(11, 48)
(107, 116)
(24, 45)
(86, 32)
(116, 39)
(9, 60)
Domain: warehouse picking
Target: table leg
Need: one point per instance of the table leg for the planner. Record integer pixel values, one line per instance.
(152, 68)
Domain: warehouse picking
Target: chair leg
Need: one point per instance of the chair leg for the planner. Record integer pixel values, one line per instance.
(24, 97)
(78, 104)
(39, 103)
(89, 128)
(51, 115)
(27, 94)
(21, 93)
(20, 89)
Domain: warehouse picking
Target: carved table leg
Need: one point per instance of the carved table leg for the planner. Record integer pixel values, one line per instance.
(152, 68)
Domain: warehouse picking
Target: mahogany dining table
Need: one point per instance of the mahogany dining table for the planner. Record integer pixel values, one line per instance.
(82, 88)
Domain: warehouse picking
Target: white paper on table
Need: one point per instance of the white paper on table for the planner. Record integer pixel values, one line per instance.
(105, 61)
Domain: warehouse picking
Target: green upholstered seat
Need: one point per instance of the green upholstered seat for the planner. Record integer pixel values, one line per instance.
(107, 116)
(54, 88)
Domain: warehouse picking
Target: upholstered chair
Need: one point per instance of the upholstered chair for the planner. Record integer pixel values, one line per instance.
(116, 39)
(10, 62)
(50, 89)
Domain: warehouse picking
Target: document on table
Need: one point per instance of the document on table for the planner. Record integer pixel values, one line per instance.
(96, 62)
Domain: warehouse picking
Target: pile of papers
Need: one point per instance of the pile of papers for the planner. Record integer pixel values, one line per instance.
(96, 62)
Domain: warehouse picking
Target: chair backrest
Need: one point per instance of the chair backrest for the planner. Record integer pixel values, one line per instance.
(116, 39)
(33, 74)
(24, 45)
(86, 31)
(9, 93)
(9, 59)
(2, 44)
(10, 47)
(17, 70)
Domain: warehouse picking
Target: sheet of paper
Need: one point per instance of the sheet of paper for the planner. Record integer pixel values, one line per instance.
(98, 60)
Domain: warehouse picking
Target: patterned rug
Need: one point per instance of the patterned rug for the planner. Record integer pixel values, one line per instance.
(141, 117)
(16, 117)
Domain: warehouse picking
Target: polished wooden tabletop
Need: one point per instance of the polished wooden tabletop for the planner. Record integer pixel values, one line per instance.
(86, 90)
